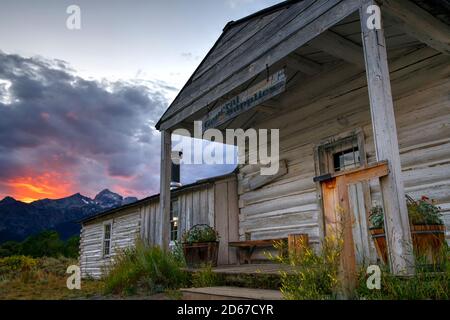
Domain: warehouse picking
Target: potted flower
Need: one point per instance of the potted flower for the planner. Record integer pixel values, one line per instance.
(427, 230)
(200, 246)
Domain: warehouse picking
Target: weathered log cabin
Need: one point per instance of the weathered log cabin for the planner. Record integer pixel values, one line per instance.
(210, 201)
(363, 114)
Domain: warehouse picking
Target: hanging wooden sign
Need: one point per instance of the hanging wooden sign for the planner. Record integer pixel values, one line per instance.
(250, 98)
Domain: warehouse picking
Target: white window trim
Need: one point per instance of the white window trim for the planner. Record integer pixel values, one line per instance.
(110, 222)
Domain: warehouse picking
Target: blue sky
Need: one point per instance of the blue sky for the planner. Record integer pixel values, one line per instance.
(78, 107)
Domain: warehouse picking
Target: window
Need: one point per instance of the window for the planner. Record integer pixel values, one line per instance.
(106, 239)
(346, 159)
(344, 152)
(174, 220)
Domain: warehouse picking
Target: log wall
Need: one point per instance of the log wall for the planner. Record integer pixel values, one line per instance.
(290, 204)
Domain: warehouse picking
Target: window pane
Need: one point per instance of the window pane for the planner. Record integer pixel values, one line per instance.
(347, 159)
(106, 247)
(107, 231)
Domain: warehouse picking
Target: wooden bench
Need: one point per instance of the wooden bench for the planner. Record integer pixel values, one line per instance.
(247, 247)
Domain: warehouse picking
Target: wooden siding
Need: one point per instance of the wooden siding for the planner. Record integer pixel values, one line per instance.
(290, 204)
(125, 230)
(226, 219)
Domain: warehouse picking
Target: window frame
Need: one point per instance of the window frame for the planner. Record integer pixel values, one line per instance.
(174, 221)
(104, 225)
(324, 160)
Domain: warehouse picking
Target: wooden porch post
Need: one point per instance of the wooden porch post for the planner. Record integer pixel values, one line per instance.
(164, 200)
(397, 228)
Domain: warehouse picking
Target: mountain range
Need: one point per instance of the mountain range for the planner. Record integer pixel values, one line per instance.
(19, 220)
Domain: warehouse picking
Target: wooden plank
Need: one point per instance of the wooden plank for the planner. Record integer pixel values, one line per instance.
(364, 173)
(419, 23)
(255, 243)
(297, 243)
(348, 259)
(230, 293)
(211, 217)
(221, 212)
(225, 47)
(310, 27)
(232, 62)
(233, 218)
(165, 177)
(196, 214)
(259, 180)
(303, 65)
(339, 47)
(386, 146)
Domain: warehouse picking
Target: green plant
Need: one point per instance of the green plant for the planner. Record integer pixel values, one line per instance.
(422, 286)
(420, 212)
(16, 264)
(146, 268)
(424, 211)
(205, 277)
(178, 253)
(200, 233)
(313, 275)
(377, 217)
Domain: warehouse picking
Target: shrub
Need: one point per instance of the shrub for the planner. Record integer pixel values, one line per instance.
(314, 275)
(200, 233)
(422, 286)
(56, 266)
(45, 244)
(72, 247)
(10, 248)
(144, 268)
(17, 265)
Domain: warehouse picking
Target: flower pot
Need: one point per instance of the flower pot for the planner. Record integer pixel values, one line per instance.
(198, 254)
(427, 242)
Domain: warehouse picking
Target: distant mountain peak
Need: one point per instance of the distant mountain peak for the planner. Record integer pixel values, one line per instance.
(19, 220)
(108, 199)
(8, 200)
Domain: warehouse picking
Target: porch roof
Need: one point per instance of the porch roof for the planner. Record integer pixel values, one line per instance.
(248, 48)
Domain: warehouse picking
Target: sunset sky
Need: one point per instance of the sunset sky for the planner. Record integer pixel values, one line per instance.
(78, 107)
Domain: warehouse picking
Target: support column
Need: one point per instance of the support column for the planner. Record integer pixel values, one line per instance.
(397, 227)
(164, 198)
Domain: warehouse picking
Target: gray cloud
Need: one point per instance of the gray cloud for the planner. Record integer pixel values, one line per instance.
(58, 121)
(58, 127)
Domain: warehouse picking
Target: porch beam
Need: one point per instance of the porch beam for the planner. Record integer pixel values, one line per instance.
(165, 177)
(386, 146)
(419, 24)
(303, 65)
(339, 47)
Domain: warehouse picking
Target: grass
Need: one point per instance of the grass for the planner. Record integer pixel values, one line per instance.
(41, 279)
(205, 277)
(145, 270)
(424, 285)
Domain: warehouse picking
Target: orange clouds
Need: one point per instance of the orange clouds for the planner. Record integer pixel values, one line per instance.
(51, 185)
